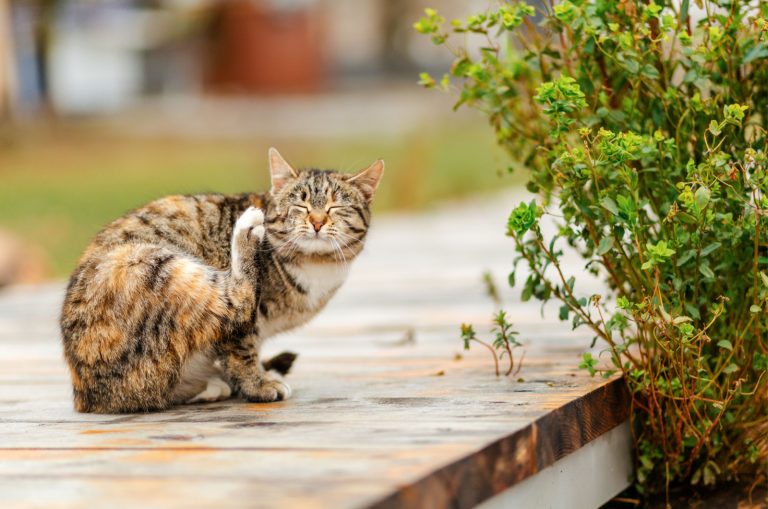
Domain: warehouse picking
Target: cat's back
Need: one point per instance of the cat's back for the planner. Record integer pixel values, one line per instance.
(169, 238)
(198, 225)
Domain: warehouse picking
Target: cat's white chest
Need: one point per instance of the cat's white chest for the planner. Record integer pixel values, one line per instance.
(319, 280)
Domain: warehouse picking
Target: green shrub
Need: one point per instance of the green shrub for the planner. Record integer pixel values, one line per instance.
(642, 125)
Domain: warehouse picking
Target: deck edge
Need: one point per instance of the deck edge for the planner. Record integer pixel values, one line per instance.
(511, 459)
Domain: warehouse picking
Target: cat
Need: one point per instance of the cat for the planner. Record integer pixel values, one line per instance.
(171, 303)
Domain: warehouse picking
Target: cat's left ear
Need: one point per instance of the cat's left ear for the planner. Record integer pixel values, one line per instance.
(368, 179)
(280, 171)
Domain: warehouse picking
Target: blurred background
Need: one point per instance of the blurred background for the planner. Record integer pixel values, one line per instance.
(107, 104)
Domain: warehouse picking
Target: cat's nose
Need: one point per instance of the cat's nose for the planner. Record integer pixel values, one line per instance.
(317, 220)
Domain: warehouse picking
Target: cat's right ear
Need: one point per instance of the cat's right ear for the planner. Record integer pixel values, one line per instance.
(280, 171)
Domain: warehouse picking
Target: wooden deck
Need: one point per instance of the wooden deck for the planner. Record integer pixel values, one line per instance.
(384, 414)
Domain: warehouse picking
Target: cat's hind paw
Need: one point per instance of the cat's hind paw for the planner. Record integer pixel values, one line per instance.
(216, 390)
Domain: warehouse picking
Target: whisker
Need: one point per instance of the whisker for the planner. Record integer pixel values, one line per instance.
(348, 243)
(346, 235)
(337, 248)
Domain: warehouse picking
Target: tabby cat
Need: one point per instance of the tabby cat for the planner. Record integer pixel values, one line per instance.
(172, 302)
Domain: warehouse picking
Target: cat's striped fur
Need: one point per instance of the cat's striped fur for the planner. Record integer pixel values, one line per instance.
(183, 291)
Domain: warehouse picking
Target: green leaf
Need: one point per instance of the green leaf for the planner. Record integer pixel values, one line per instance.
(588, 363)
(605, 245)
(702, 196)
(684, 12)
(692, 310)
(650, 72)
(565, 11)
(657, 253)
(724, 343)
(623, 303)
(760, 50)
(759, 361)
(522, 218)
(715, 34)
(734, 113)
(754, 308)
(710, 248)
(632, 66)
(706, 271)
(686, 256)
(732, 368)
(426, 81)
(610, 205)
(627, 208)
(460, 67)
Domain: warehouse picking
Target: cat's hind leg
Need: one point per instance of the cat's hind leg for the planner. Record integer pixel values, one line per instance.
(215, 390)
(201, 381)
(202, 377)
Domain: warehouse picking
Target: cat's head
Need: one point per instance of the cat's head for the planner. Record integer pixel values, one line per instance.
(320, 212)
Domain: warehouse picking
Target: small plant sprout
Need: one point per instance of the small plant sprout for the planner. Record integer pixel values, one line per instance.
(588, 362)
(504, 343)
(468, 335)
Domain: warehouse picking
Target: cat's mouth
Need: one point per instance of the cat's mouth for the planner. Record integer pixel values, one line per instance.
(316, 242)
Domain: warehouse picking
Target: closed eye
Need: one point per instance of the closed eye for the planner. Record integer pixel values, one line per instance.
(335, 207)
(301, 208)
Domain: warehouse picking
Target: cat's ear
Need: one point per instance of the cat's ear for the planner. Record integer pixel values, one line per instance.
(368, 179)
(280, 171)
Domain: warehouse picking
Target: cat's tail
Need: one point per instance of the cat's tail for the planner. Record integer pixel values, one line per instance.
(282, 363)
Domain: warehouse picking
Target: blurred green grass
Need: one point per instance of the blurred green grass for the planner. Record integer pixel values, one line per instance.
(57, 190)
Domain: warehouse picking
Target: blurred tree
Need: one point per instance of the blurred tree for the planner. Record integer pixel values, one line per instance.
(397, 36)
(6, 61)
(45, 12)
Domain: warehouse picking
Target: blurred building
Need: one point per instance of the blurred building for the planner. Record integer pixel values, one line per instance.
(94, 56)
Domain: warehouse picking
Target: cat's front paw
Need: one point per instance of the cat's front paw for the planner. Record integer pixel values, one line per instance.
(250, 224)
(265, 390)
